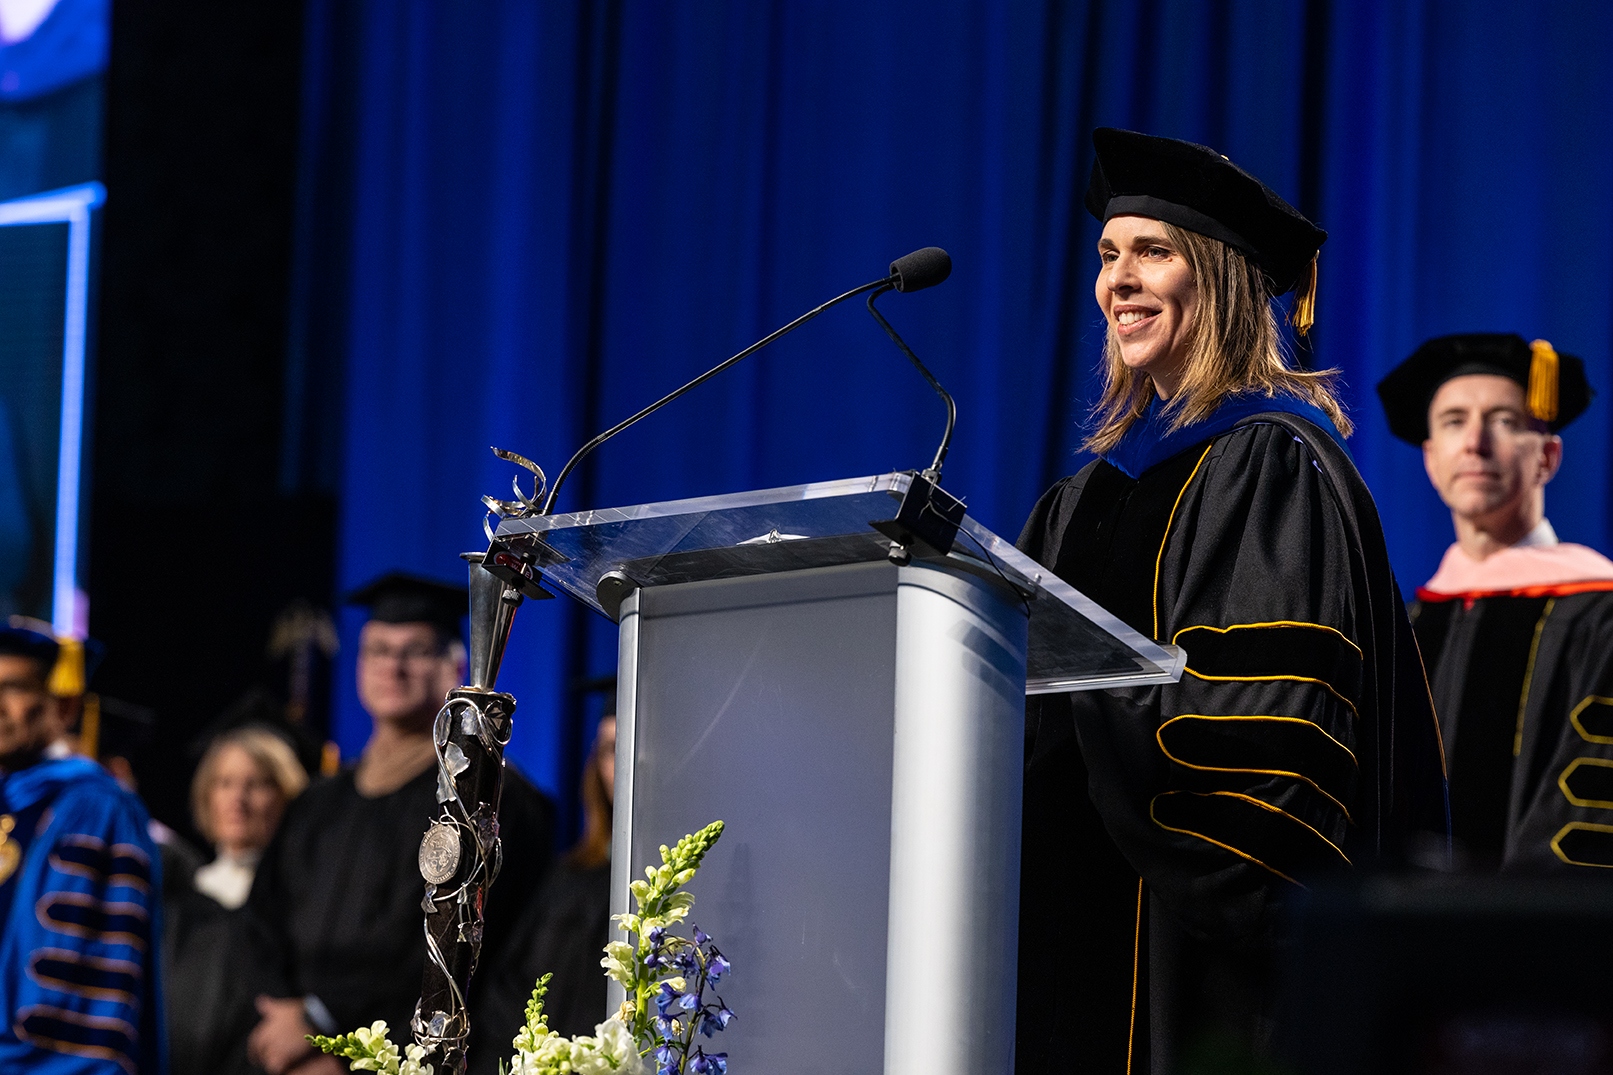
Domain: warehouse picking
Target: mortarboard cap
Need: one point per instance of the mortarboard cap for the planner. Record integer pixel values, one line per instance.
(22, 637)
(401, 598)
(69, 662)
(1196, 188)
(113, 728)
(1555, 389)
(257, 707)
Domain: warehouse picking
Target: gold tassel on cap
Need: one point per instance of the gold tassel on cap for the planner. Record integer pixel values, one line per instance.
(1543, 381)
(1303, 314)
(67, 678)
(89, 727)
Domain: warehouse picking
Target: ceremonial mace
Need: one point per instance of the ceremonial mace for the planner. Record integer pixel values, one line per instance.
(460, 853)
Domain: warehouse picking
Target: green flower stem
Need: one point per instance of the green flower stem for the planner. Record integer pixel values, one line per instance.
(660, 905)
(621, 1041)
(700, 992)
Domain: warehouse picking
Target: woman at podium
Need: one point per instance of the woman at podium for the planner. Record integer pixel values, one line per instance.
(1167, 827)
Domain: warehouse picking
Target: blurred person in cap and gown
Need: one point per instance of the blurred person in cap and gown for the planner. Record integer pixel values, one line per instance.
(1166, 828)
(80, 879)
(339, 888)
(247, 777)
(1516, 626)
(564, 930)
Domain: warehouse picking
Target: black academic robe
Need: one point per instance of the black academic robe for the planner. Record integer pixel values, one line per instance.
(1166, 827)
(338, 896)
(210, 986)
(562, 932)
(1524, 690)
(208, 983)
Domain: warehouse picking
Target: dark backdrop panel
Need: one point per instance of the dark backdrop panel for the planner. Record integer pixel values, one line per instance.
(545, 216)
(195, 545)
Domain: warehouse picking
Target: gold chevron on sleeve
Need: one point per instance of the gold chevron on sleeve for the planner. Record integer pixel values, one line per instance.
(1275, 650)
(1265, 746)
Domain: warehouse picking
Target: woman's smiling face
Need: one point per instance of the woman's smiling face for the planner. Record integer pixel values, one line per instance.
(1146, 290)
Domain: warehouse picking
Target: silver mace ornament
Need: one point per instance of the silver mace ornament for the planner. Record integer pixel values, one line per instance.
(460, 853)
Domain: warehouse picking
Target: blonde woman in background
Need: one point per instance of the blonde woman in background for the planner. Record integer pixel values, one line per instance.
(238, 797)
(242, 787)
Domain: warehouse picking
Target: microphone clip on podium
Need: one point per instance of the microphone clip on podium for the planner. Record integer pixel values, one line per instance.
(926, 522)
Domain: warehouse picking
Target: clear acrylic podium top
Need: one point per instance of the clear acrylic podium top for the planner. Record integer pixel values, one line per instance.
(1074, 644)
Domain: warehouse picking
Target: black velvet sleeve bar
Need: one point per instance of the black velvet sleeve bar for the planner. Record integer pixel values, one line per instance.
(1300, 740)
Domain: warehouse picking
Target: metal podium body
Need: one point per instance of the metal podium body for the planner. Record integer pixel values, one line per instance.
(859, 726)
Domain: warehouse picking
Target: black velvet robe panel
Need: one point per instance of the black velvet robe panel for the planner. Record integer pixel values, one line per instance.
(338, 897)
(211, 986)
(562, 932)
(1524, 690)
(1166, 826)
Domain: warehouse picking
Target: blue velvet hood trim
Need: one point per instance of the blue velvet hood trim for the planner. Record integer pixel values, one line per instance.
(24, 788)
(1147, 444)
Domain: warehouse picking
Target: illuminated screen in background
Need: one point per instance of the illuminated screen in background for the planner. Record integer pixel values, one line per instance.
(53, 54)
(44, 286)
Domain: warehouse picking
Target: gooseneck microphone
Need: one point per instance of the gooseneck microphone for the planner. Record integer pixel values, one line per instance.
(920, 269)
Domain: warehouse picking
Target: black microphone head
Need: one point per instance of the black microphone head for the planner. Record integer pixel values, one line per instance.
(921, 269)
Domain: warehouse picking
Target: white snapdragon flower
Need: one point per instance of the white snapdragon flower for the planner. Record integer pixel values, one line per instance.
(612, 1051)
(383, 1054)
(619, 961)
(412, 1064)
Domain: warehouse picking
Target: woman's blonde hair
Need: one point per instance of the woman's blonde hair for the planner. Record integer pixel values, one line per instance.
(598, 816)
(272, 755)
(1233, 346)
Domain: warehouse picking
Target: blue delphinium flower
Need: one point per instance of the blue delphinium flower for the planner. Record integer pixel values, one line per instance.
(718, 1061)
(717, 968)
(688, 1001)
(723, 1017)
(701, 937)
(666, 997)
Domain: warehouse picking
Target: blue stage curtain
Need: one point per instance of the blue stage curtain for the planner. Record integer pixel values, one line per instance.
(522, 221)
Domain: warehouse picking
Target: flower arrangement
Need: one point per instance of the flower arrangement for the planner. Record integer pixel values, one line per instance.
(667, 978)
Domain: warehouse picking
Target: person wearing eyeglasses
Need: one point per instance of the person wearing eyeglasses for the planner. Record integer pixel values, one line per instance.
(339, 888)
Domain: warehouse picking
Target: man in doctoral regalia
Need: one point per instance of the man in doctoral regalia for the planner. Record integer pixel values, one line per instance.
(339, 891)
(1516, 626)
(79, 883)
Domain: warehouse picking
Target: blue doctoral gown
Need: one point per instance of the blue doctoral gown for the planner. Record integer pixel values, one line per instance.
(80, 900)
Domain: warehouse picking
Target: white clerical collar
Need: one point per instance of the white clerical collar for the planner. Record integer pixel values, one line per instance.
(228, 878)
(1541, 537)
